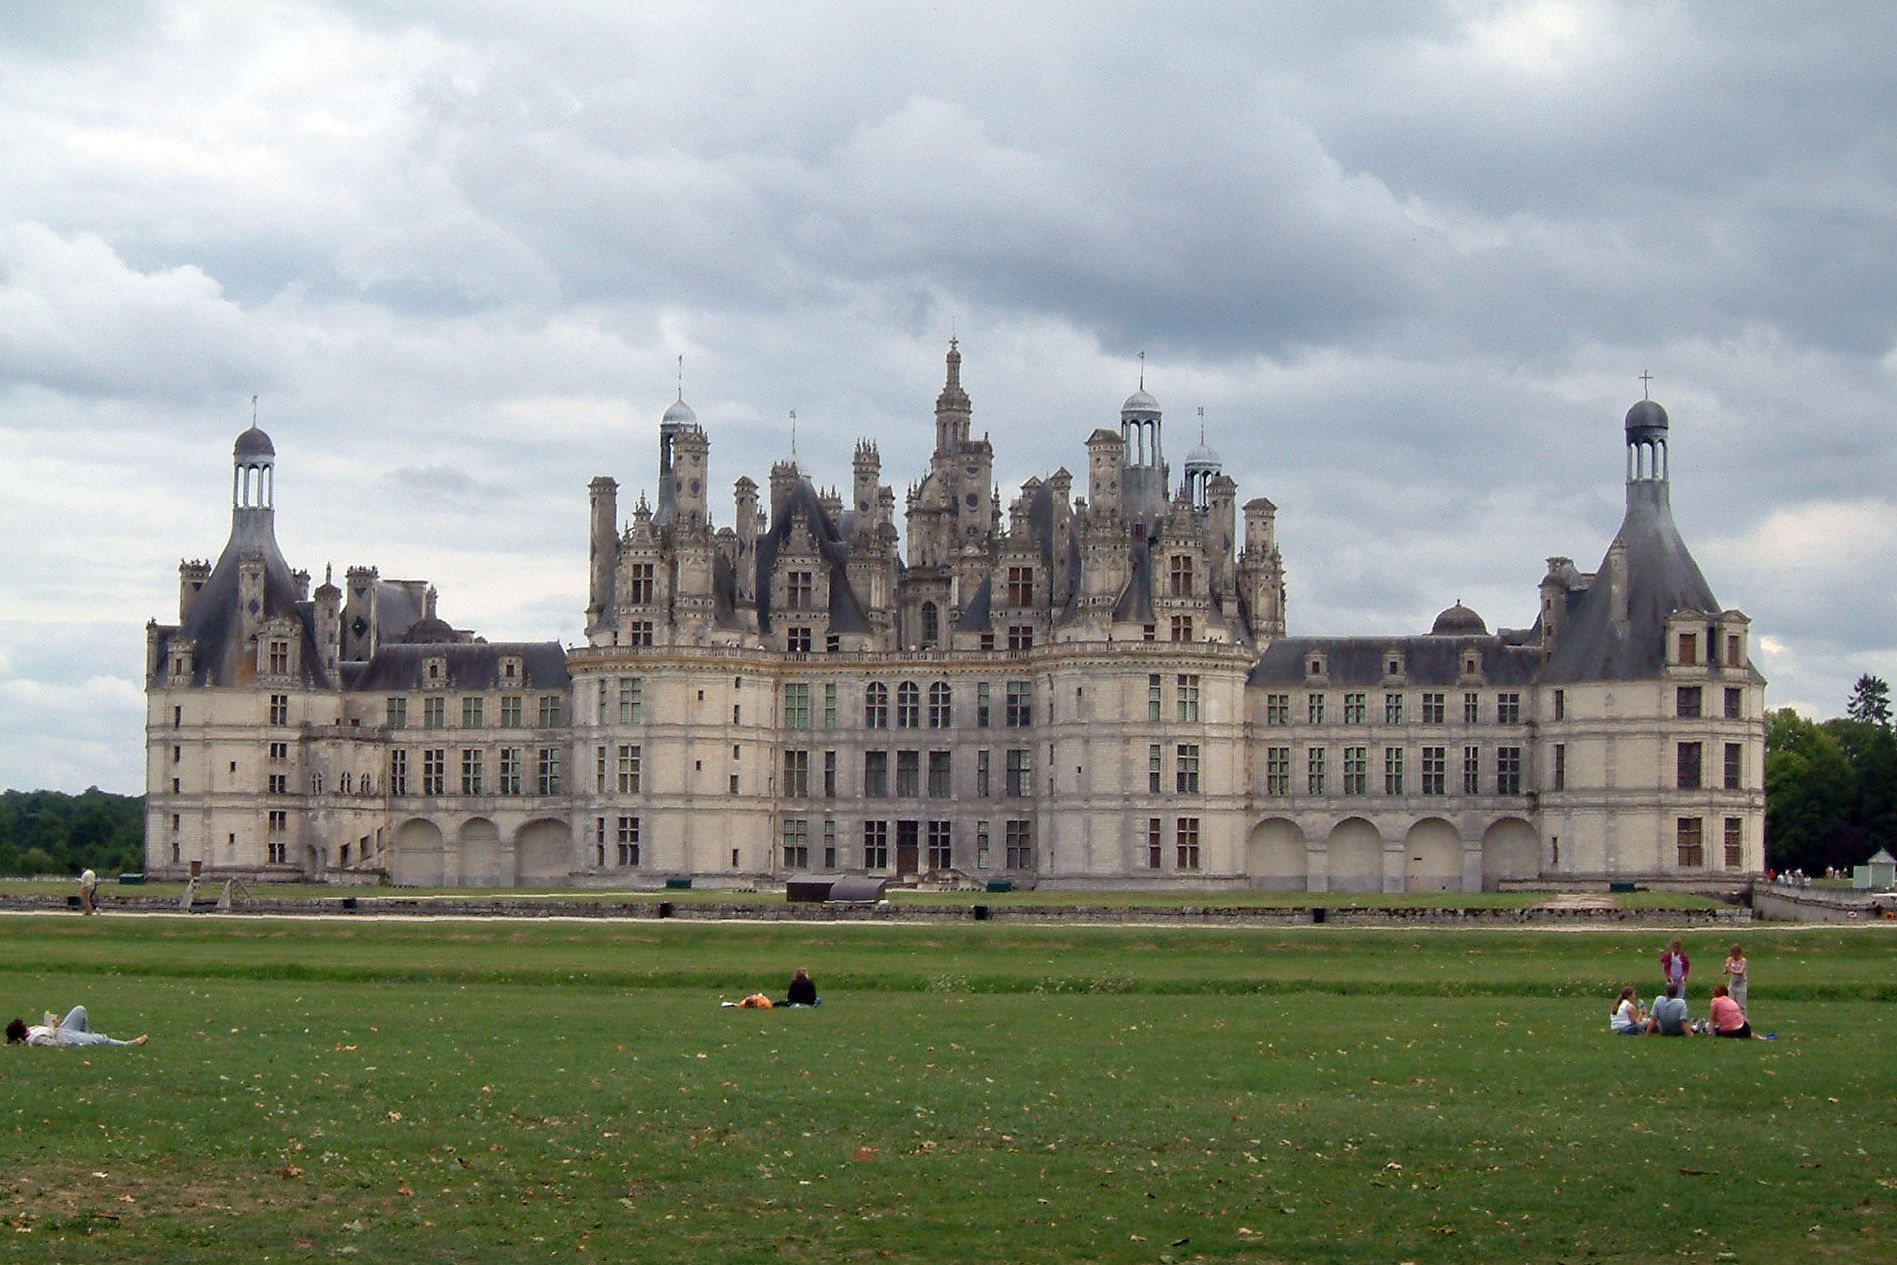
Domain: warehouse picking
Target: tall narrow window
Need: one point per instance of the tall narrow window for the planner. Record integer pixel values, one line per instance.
(1187, 686)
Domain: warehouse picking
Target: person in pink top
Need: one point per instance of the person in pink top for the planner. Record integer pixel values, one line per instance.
(1673, 966)
(1728, 1020)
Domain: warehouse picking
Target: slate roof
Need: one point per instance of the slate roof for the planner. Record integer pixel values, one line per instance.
(215, 623)
(846, 614)
(1427, 660)
(471, 666)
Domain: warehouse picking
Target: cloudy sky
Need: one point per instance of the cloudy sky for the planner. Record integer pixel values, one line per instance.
(1410, 259)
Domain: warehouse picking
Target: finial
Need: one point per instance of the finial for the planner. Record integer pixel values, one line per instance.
(1202, 426)
(328, 569)
(1142, 371)
(1645, 379)
(681, 377)
(793, 437)
(253, 411)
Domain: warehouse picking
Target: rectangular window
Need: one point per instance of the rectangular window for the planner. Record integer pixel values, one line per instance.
(1433, 709)
(797, 705)
(278, 784)
(876, 774)
(800, 591)
(1353, 709)
(1560, 766)
(1560, 704)
(875, 845)
(279, 709)
(1154, 698)
(908, 706)
(472, 771)
(279, 751)
(1020, 636)
(1314, 761)
(279, 658)
(510, 770)
(1689, 654)
(626, 841)
(1472, 770)
(1020, 773)
(982, 704)
(1277, 770)
(908, 774)
(1155, 768)
(829, 845)
(1020, 586)
(1020, 712)
(1181, 626)
(1686, 766)
(1188, 695)
(1686, 700)
(1186, 839)
(1735, 707)
(1471, 709)
(1314, 708)
(1155, 841)
(1277, 709)
(434, 712)
(829, 775)
(940, 705)
(981, 845)
(1692, 849)
(1180, 575)
(510, 712)
(1186, 768)
(1356, 770)
(941, 780)
(1508, 708)
(548, 771)
(981, 773)
(1735, 843)
(434, 760)
(1393, 770)
(796, 843)
(641, 586)
(631, 700)
(627, 770)
(1392, 709)
(1020, 843)
(941, 845)
(641, 633)
(1508, 770)
(796, 774)
(1732, 650)
(1735, 754)
(550, 711)
(599, 771)
(1435, 770)
(473, 709)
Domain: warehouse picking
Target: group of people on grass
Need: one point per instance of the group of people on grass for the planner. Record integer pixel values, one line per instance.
(1668, 1017)
(802, 992)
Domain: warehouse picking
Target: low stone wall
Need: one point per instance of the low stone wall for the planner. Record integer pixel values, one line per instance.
(1813, 904)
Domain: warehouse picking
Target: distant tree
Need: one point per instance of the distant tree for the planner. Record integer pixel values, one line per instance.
(1810, 793)
(49, 832)
(1870, 701)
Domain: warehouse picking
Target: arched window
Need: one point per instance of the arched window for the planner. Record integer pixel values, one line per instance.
(908, 706)
(876, 706)
(939, 705)
(931, 624)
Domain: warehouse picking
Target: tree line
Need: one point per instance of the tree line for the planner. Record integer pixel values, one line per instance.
(1830, 800)
(50, 832)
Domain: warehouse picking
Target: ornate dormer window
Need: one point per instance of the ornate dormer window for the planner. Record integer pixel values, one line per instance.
(435, 672)
(278, 644)
(511, 671)
(1393, 666)
(1316, 667)
(1471, 666)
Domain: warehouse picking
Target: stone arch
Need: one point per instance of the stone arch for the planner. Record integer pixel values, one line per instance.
(543, 852)
(416, 853)
(1355, 851)
(478, 847)
(1510, 849)
(1276, 858)
(1432, 857)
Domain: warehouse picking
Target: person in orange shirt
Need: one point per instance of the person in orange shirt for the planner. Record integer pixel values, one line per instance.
(1728, 1020)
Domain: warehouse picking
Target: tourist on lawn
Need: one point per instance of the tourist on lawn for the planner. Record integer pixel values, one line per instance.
(1673, 967)
(1668, 1016)
(74, 1029)
(803, 989)
(1728, 1019)
(1736, 977)
(88, 888)
(1627, 1020)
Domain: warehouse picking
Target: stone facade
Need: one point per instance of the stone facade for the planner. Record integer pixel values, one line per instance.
(1077, 691)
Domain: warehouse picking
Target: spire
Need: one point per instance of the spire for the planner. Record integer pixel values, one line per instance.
(952, 407)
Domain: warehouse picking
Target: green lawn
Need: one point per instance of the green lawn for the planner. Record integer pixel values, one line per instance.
(499, 1091)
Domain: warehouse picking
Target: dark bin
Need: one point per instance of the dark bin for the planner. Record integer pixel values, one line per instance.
(1319, 913)
(132, 880)
(349, 903)
(665, 909)
(807, 890)
(1623, 887)
(678, 884)
(1000, 884)
(72, 902)
(983, 913)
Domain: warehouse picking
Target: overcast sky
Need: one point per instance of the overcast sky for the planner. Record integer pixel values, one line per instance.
(1410, 259)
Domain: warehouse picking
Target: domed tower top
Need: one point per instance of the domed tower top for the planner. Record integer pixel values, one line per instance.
(253, 468)
(952, 406)
(1459, 621)
(1202, 466)
(1646, 440)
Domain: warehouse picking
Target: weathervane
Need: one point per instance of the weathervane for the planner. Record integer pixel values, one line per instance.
(681, 377)
(1142, 371)
(1645, 379)
(793, 437)
(1202, 426)
(253, 411)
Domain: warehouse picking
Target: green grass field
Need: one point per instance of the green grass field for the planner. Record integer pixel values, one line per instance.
(500, 1091)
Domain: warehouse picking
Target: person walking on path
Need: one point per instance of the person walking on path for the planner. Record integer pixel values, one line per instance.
(1736, 978)
(1674, 966)
(88, 887)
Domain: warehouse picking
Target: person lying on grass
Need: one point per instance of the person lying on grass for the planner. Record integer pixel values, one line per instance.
(1627, 1021)
(74, 1029)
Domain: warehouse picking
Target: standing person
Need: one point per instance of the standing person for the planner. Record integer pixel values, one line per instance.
(1626, 1019)
(74, 1029)
(1674, 966)
(1736, 978)
(88, 885)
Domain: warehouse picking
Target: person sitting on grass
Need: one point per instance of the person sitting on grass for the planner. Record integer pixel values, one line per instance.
(1728, 1019)
(1668, 1016)
(74, 1029)
(1627, 1021)
(803, 990)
